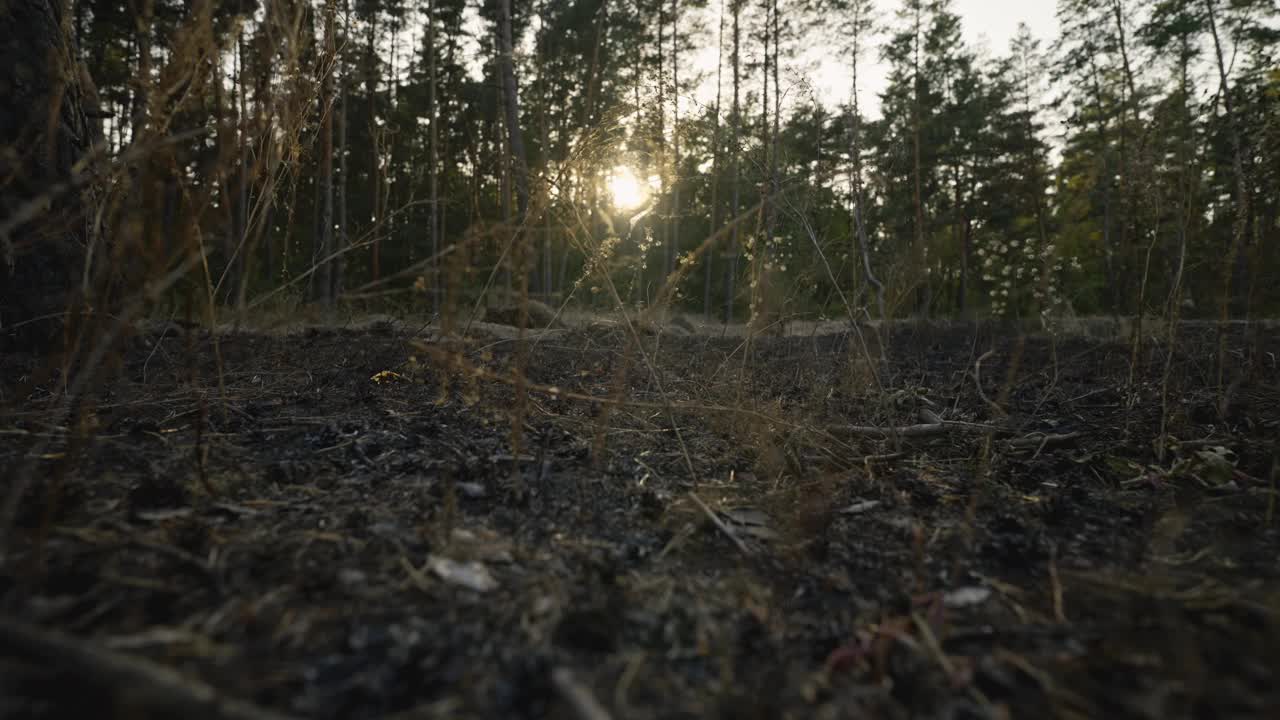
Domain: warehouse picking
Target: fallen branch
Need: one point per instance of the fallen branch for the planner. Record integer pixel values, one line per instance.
(728, 531)
(977, 381)
(148, 689)
(1035, 441)
(579, 697)
(932, 429)
(206, 571)
(1040, 441)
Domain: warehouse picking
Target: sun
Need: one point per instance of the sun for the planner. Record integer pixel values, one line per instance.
(626, 191)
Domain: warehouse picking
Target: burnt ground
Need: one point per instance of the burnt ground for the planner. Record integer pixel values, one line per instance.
(297, 529)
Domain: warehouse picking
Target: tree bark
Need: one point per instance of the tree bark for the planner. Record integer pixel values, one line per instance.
(324, 240)
(673, 223)
(46, 206)
(760, 249)
(433, 155)
(342, 232)
(512, 107)
(1240, 227)
(709, 268)
(660, 151)
(862, 245)
(1237, 160)
(731, 272)
(921, 249)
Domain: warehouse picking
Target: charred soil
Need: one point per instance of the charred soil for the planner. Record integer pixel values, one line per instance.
(375, 522)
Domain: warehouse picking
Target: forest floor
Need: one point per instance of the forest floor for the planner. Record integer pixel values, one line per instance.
(332, 523)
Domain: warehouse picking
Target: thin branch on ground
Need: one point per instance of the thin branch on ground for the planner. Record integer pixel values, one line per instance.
(728, 531)
(578, 696)
(977, 381)
(151, 690)
(916, 431)
(1055, 586)
(1040, 441)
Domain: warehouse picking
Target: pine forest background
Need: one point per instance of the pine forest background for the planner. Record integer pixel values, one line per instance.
(414, 154)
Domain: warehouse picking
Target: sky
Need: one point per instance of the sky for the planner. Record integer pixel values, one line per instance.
(988, 24)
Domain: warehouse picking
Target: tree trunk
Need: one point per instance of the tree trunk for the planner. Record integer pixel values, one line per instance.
(324, 239)
(141, 91)
(862, 246)
(512, 109)
(1237, 162)
(731, 272)
(710, 261)
(342, 233)
(673, 231)
(433, 155)
(544, 281)
(376, 136)
(761, 247)
(42, 244)
(1108, 249)
(241, 278)
(1241, 224)
(661, 228)
(921, 250)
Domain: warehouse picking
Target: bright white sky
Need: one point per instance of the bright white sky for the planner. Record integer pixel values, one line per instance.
(987, 24)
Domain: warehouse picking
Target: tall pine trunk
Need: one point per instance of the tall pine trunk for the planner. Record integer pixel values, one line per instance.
(511, 97)
(673, 232)
(42, 246)
(324, 240)
(921, 250)
(710, 260)
(735, 246)
(343, 237)
(661, 228)
(433, 158)
(1240, 226)
(376, 135)
(862, 243)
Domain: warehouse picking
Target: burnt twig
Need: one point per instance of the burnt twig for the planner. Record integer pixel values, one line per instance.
(977, 381)
(152, 690)
(728, 531)
(579, 697)
(932, 429)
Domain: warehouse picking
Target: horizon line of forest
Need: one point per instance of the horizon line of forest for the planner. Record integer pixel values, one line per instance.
(312, 152)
